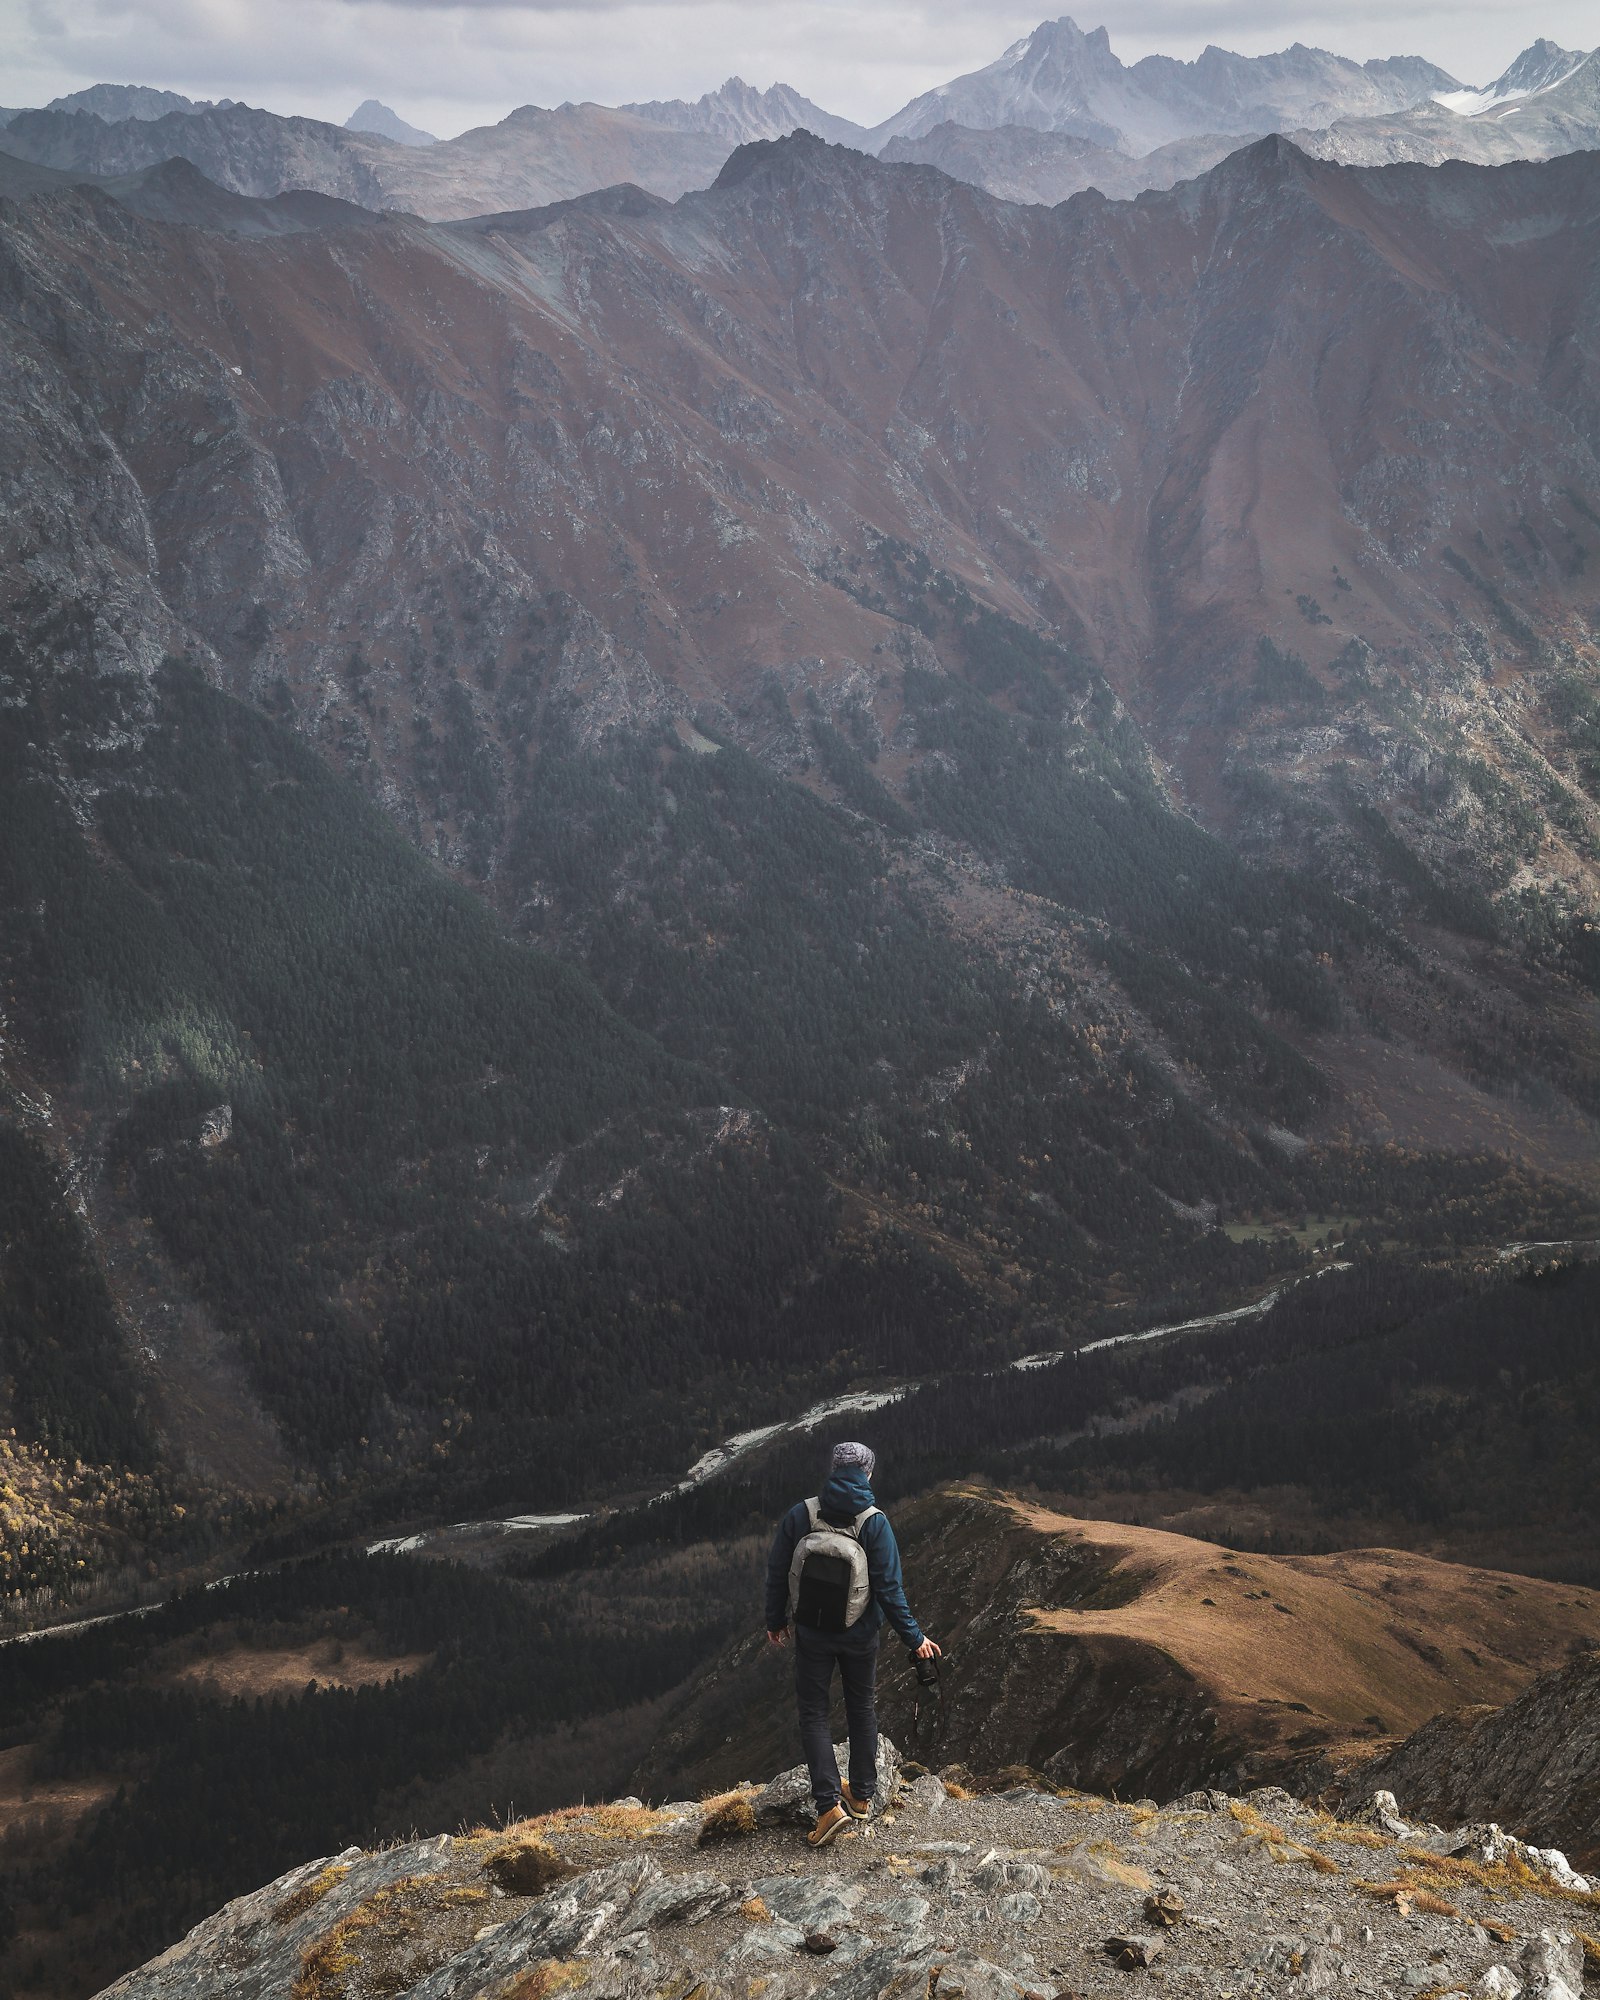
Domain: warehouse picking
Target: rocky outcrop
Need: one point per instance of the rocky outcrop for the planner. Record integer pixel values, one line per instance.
(1533, 1765)
(1003, 1897)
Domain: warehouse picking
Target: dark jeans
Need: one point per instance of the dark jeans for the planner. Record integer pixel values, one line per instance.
(814, 1657)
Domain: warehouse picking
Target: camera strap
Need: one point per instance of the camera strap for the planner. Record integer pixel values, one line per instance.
(929, 1693)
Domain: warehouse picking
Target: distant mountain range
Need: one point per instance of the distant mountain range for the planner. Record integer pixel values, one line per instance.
(1058, 112)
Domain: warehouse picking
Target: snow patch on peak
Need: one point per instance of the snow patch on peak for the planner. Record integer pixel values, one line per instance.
(1540, 67)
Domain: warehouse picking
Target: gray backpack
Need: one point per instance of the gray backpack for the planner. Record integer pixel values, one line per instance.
(829, 1586)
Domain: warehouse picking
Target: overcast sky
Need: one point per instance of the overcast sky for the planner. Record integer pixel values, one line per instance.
(449, 66)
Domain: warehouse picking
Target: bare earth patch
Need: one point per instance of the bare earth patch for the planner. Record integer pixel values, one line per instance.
(59, 1799)
(252, 1671)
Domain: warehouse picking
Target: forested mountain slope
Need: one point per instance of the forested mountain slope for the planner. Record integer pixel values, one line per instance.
(971, 744)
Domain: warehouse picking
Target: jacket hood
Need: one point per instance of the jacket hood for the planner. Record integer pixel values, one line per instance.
(845, 1493)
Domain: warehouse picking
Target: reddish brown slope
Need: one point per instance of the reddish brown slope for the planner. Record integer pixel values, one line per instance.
(636, 458)
(1151, 419)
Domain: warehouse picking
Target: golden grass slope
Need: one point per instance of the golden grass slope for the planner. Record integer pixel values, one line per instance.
(1343, 1639)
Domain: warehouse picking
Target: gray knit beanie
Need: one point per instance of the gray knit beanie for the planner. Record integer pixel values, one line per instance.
(853, 1454)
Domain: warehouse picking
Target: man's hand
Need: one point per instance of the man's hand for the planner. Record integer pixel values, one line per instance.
(778, 1638)
(927, 1651)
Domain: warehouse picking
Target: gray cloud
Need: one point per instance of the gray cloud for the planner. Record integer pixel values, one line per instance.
(447, 64)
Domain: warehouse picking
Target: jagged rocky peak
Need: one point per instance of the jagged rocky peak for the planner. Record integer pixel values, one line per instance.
(1000, 1890)
(737, 111)
(1540, 65)
(116, 101)
(1064, 78)
(795, 154)
(372, 116)
(1057, 78)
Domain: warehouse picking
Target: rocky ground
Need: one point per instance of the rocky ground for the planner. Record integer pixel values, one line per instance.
(1000, 1896)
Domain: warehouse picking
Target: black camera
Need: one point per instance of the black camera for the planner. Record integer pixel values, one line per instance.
(927, 1670)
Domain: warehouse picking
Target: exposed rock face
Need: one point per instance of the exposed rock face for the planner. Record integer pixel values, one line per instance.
(631, 409)
(990, 1898)
(625, 461)
(1533, 1765)
(1062, 79)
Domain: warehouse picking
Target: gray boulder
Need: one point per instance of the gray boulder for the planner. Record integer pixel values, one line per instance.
(808, 1902)
(787, 1800)
(1552, 1967)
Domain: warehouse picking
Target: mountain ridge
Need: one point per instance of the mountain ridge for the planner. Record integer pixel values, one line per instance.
(1132, 1661)
(1152, 122)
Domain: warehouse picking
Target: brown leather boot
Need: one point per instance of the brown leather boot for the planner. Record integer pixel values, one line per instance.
(855, 1807)
(828, 1824)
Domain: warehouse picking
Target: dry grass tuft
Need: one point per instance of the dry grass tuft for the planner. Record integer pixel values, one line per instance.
(1511, 1877)
(1408, 1894)
(1398, 1892)
(757, 1911)
(729, 1817)
(956, 1790)
(1591, 1950)
(324, 1964)
(1281, 1846)
(1021, 1777)
(599, 1822)
(322, 1968)
(309, 1894)
(1330, 1828)
(1099, 1861)
(524, 1867)
(556, 1975)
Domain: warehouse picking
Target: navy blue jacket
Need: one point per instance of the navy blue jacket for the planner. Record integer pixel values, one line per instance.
(842, 1498)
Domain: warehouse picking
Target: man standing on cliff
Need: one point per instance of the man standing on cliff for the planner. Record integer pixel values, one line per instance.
(834, 1575)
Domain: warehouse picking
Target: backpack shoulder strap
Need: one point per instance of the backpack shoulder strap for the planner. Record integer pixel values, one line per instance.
(813, 1513)
(862, 1519)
